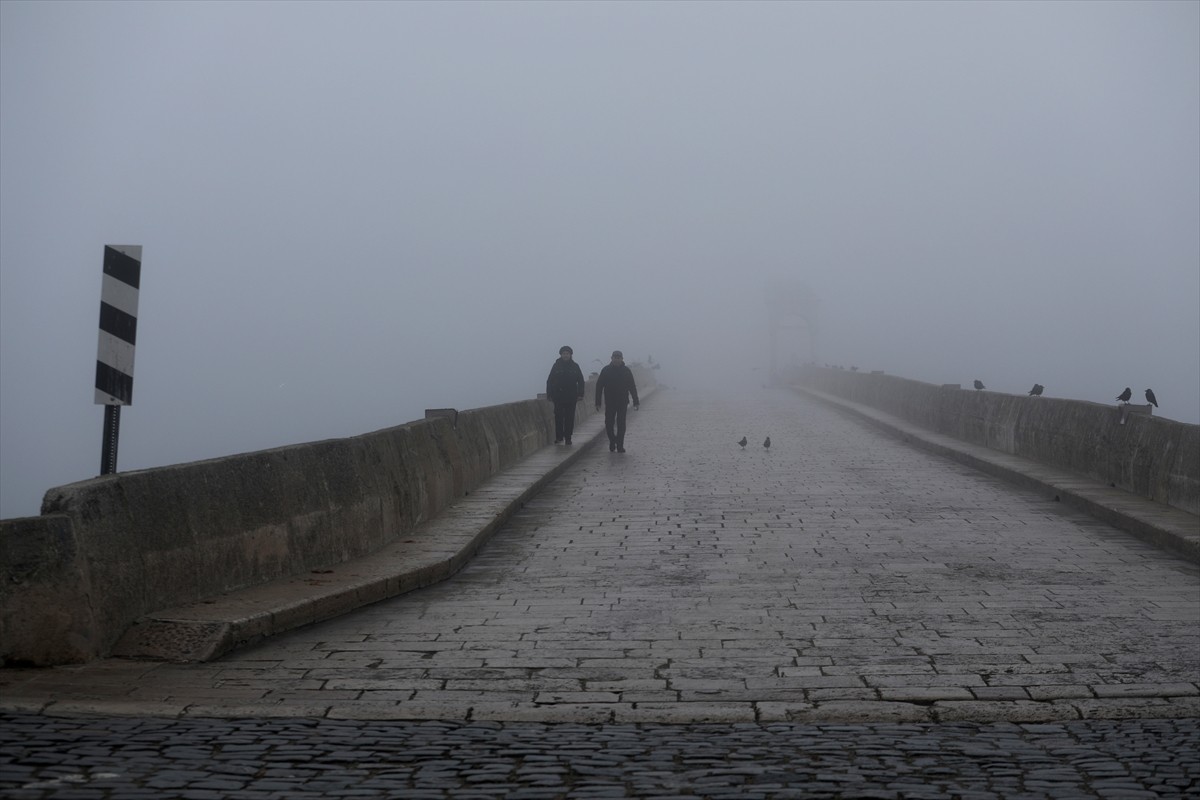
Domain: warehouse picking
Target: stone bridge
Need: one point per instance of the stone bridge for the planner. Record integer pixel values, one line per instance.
(843, 572)
(863, 570)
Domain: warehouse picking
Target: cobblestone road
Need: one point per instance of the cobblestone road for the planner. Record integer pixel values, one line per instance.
(198, 759)
(840, 588)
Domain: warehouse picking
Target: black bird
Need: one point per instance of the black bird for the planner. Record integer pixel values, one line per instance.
(743, 442)
(979, 385)
(1125, 395)
(1151, 399)
(767, 443)
(1036, 391)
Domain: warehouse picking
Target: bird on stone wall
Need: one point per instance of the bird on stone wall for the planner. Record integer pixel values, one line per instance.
(1151, 399)
(1125, 395)
(743, 442)
(1037, 390)
(767, 443)
(979, 385)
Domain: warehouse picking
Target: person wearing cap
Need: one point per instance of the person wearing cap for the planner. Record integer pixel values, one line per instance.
(564, 388)
(616, 385)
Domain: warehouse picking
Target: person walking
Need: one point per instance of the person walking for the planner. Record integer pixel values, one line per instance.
(564, 388)
(616, 385)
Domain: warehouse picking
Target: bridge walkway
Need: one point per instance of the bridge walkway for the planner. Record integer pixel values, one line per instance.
(840, 576)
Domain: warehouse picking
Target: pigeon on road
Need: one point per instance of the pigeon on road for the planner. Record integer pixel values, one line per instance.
(979, 386)
(1125, 395)
(767, 443)
(1037, 390)
(1151, 399)
(743, 442)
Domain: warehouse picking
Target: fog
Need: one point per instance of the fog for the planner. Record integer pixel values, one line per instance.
(351, 212)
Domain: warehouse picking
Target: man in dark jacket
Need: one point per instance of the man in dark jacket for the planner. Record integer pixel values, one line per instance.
(564, 387)
(616, 385)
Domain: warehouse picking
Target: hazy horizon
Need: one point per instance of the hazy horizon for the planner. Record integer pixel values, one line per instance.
(354, 211)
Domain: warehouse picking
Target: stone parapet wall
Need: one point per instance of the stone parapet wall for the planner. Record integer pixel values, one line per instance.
(1149, 456)
(46, 615)
(108, 550)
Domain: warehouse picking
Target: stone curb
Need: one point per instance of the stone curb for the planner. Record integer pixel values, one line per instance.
(1170, 529)
(206, 630)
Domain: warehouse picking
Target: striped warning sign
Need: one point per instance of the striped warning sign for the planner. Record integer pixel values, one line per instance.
(118, 324)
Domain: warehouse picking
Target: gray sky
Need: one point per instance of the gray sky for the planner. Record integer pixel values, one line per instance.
(354, 211)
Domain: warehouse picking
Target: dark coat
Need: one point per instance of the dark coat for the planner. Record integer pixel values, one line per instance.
(565, 381)
(616, 385)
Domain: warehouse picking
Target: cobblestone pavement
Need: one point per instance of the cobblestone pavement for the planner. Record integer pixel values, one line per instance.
(204, 759)
(842, 605)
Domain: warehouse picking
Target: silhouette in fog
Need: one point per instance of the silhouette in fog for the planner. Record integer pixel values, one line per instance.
(1037, 390)
(1125, 395)
(1151, 399)
(979, 385)
(616, 385)
(564, 388)
(743, 442)
(767, 443)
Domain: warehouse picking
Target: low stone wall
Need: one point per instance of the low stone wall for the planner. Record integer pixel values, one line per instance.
(46, 615)
(1149, 456)
(109, 550)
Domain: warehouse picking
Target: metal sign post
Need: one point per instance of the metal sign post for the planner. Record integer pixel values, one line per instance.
(112, 432)
(118, 335)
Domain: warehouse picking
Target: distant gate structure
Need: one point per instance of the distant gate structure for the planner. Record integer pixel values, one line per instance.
(791, 306)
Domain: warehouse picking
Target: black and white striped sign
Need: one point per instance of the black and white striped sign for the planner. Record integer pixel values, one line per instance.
(118, 324)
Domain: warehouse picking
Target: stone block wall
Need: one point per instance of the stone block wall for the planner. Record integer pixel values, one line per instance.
(46, 614)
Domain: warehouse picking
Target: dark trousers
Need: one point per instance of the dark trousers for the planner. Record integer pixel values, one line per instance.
(564, 418)
(615, 414)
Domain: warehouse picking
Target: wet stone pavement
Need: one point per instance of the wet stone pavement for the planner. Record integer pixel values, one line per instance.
(841, 615)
